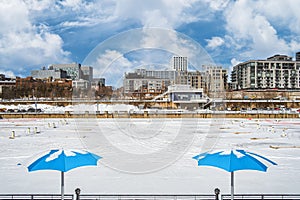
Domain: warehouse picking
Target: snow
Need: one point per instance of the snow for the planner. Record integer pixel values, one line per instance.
(78, 107)
(144, 156)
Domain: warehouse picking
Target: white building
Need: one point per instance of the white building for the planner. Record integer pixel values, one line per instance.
(179, 63)
(276, 72)
(81, 84)
(214, 78)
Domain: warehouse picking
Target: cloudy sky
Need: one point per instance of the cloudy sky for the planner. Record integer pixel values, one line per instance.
(35, 33)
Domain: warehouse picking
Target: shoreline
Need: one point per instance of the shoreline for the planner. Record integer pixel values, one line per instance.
(146, 114)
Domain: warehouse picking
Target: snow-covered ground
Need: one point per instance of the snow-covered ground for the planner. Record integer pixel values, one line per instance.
(79, 107)
(149, 155)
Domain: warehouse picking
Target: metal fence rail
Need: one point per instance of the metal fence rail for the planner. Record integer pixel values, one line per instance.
(146, 197)
(36, 196)
(261, 196)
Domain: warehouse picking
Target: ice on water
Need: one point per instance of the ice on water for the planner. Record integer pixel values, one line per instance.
(276, 139)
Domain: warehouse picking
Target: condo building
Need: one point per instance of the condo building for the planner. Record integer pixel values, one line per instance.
(179, 63)
(141, 85)
(215, 78)
(276, 72)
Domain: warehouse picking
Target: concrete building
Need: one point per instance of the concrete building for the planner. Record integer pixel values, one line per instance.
(276, 72)
(191, 78)
(141, 86)
(6, 84)
(49, 73)
(98, 82)
(298, 56)
(214, 79)
(153, 80)
(73, 70)
(164, 74)
(179, 63)
(87, 73)
(81, 84)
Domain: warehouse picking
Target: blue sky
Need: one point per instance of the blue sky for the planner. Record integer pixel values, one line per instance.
(35, 33)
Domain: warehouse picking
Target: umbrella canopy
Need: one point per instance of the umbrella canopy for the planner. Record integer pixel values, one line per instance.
(234, 160)
(63, 160)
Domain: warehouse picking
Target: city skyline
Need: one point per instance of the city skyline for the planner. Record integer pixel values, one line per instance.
(39, 33)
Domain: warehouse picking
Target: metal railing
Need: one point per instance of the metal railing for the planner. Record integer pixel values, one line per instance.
(147, 197)
(261, 196)
(36, 196)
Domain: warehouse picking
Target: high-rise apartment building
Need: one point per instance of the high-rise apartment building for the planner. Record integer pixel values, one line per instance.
(276, 72)
(179, 63)
(215, 78)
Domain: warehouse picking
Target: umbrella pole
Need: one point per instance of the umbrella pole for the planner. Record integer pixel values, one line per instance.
(62, 185)
(232, 185)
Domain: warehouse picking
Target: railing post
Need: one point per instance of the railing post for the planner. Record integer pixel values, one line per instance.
(77, 192)
(217, 192)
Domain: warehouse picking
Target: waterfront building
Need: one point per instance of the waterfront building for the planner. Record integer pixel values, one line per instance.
(185, 97)
(276, 72)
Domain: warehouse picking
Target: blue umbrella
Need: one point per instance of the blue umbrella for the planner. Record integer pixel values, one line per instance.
(64, 160)
(234, 160)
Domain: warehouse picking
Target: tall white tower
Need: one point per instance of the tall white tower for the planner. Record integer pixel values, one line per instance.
(179, 63)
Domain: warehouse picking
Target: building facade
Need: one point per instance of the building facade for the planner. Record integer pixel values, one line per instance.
(73, 70)
(87, 73)
(276, 72)
(49, 73)
(214, 79)
(191, 78)
(141, 86)
(6, 86)
(179, 63)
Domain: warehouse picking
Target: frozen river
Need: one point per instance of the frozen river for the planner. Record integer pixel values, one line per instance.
(150, 155)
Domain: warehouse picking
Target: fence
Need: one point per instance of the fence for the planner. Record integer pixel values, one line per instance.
(261, 196)
(35, 196)
(147, 197)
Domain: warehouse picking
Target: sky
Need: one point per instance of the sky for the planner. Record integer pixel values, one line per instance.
(36, 33)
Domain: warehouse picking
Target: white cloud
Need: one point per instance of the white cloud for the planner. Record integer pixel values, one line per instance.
(23, 43)
(160, 13)
(8, 73)
(234, 61)
(218, 4)
(214, 42)
(39, 5)
(111, 65)
(250, 23)
(284, 14)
